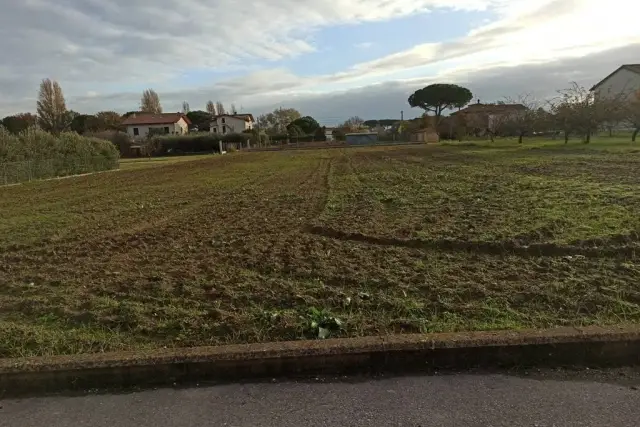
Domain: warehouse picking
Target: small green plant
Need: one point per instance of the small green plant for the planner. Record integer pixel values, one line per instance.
(322, 323)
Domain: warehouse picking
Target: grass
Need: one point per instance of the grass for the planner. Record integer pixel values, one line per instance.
(288, 245)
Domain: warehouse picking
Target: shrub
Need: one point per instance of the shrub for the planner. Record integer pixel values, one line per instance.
(35, 154)
(121, 140)
(294, 138)
(196, 143)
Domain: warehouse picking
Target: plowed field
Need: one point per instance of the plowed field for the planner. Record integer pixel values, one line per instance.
(257, 246)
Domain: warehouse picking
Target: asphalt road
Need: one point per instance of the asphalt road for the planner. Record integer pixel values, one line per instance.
(608, 398)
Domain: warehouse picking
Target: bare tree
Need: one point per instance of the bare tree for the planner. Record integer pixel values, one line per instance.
(523, 121)
(211, 108)
(185, 107)
(220, 108)
(353, 124)
(497, 125)
(631, 114)
(52, 108)
(577, 111)
(150, 102)
(234, 111)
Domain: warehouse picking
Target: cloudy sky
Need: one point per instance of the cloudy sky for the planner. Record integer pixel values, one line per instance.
(330, 59)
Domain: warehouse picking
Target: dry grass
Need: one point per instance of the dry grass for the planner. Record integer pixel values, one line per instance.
(258, 246)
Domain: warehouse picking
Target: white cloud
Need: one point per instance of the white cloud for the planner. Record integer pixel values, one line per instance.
(386, 99)
(130, 40)
(528, 32)
(101, 50)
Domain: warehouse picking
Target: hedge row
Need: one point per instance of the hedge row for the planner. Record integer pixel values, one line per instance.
(36, 154)
(298, 138)
(196, 143)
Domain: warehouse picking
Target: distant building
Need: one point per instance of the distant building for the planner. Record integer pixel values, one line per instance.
(140, 124)
(328, 133)
(624, 82)
(484, 115)
(424, 135)
(364, 138)
(231, 123)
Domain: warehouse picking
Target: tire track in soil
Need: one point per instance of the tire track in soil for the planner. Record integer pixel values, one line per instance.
(282, 241)
(484, 247)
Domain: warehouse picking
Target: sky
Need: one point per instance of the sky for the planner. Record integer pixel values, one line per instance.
(328, 59)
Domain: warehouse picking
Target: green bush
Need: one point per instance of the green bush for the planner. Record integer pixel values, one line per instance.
(121, 140)
(35, 154)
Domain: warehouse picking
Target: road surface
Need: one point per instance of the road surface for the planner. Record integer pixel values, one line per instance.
(608, 398)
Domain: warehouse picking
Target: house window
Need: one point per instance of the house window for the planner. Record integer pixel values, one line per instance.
(166, 129)
(223, 120)
(224, 129)
(136, 132)
(215, 130)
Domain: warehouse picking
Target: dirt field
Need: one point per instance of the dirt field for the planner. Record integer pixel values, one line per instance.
(286, 245)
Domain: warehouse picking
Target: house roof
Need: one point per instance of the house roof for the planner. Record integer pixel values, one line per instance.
(490, 108)
(631, 67)
(155, 119)
(421, 130)
(247, 117)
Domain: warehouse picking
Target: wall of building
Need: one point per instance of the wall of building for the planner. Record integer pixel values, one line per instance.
(624, 81)
(232, 124)
(426, 135)
(178, 128)
(329, 135)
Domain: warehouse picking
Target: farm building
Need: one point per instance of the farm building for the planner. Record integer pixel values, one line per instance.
(361, 138)
(424, 135)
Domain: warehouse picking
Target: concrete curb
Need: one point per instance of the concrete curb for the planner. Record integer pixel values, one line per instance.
(590, 346)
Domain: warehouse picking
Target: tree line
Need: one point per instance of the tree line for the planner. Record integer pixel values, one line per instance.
(575, 111)
(53, 116)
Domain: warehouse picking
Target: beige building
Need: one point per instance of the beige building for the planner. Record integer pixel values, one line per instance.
(328, 133)
(424, 135)
(231, 123)
(623, 83)
(485, 116)
(140, 124)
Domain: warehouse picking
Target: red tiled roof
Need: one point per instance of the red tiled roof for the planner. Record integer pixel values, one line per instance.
(155, 119)
(246, 117)
(631, 67)
(490, 108)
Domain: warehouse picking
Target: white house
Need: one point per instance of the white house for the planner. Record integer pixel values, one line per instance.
(231, 123)
(623, 82)
(139, 124)
(328, 133)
